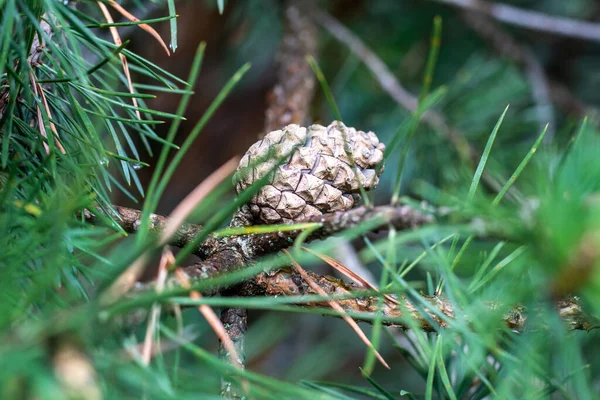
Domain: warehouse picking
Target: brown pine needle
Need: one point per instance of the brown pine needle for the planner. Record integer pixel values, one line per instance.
(52, 127)
(132, 352)
(166, 260)
(117, 39)
(337, 307)
(191, 201)
(212, 319)
(341, 268)
(145, 27)
(39, 114)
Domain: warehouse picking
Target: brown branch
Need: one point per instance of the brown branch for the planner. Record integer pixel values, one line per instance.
(224, 253)
(287, 282)
(130, 221)
(229, 253)
(435, 314)
(238, 252)
(509, 48)
(401, 217)
(289, 101)
(388, 81)
(531, 20)
(235, 321)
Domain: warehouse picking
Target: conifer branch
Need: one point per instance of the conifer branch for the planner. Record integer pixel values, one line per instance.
(531, 20)
(231, 253)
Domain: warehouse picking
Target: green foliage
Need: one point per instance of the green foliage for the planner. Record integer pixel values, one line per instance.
(500, 250)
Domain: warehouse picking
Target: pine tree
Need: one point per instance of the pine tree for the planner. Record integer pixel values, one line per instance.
(487, 282)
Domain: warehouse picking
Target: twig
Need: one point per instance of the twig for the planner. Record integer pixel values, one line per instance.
(287, 282)
(145, 27)
(225, 253)
(363, 307)
(213, 321)
(347, 272)
(289, 101)
(235, 323)
(40, 118)
(125, 65)
(191, 201)
(402, 217)
(130, 220)
(532, 20)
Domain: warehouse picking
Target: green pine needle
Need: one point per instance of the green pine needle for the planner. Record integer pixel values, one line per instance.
(325, 87)
(484, 157)
(520, 168)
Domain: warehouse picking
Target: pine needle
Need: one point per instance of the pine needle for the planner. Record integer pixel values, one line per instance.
(191, 201)
(341, 268)
(325, 86)
(145, 27)
(166, 260)
(40, 119)
(485, 156)
(117, 39)
(212, 319)
(52, 126)
(337, 307)
(520, 168)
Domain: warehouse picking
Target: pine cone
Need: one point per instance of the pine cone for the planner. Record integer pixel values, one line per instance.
(316, 173)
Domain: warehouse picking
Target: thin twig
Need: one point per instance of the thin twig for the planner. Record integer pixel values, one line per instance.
(52, 126)
(40, 118)
(191, 201)
(225, 253)
(342, 269)
(235, 322)
(130, 220)
(287, 282)
(531, 20)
